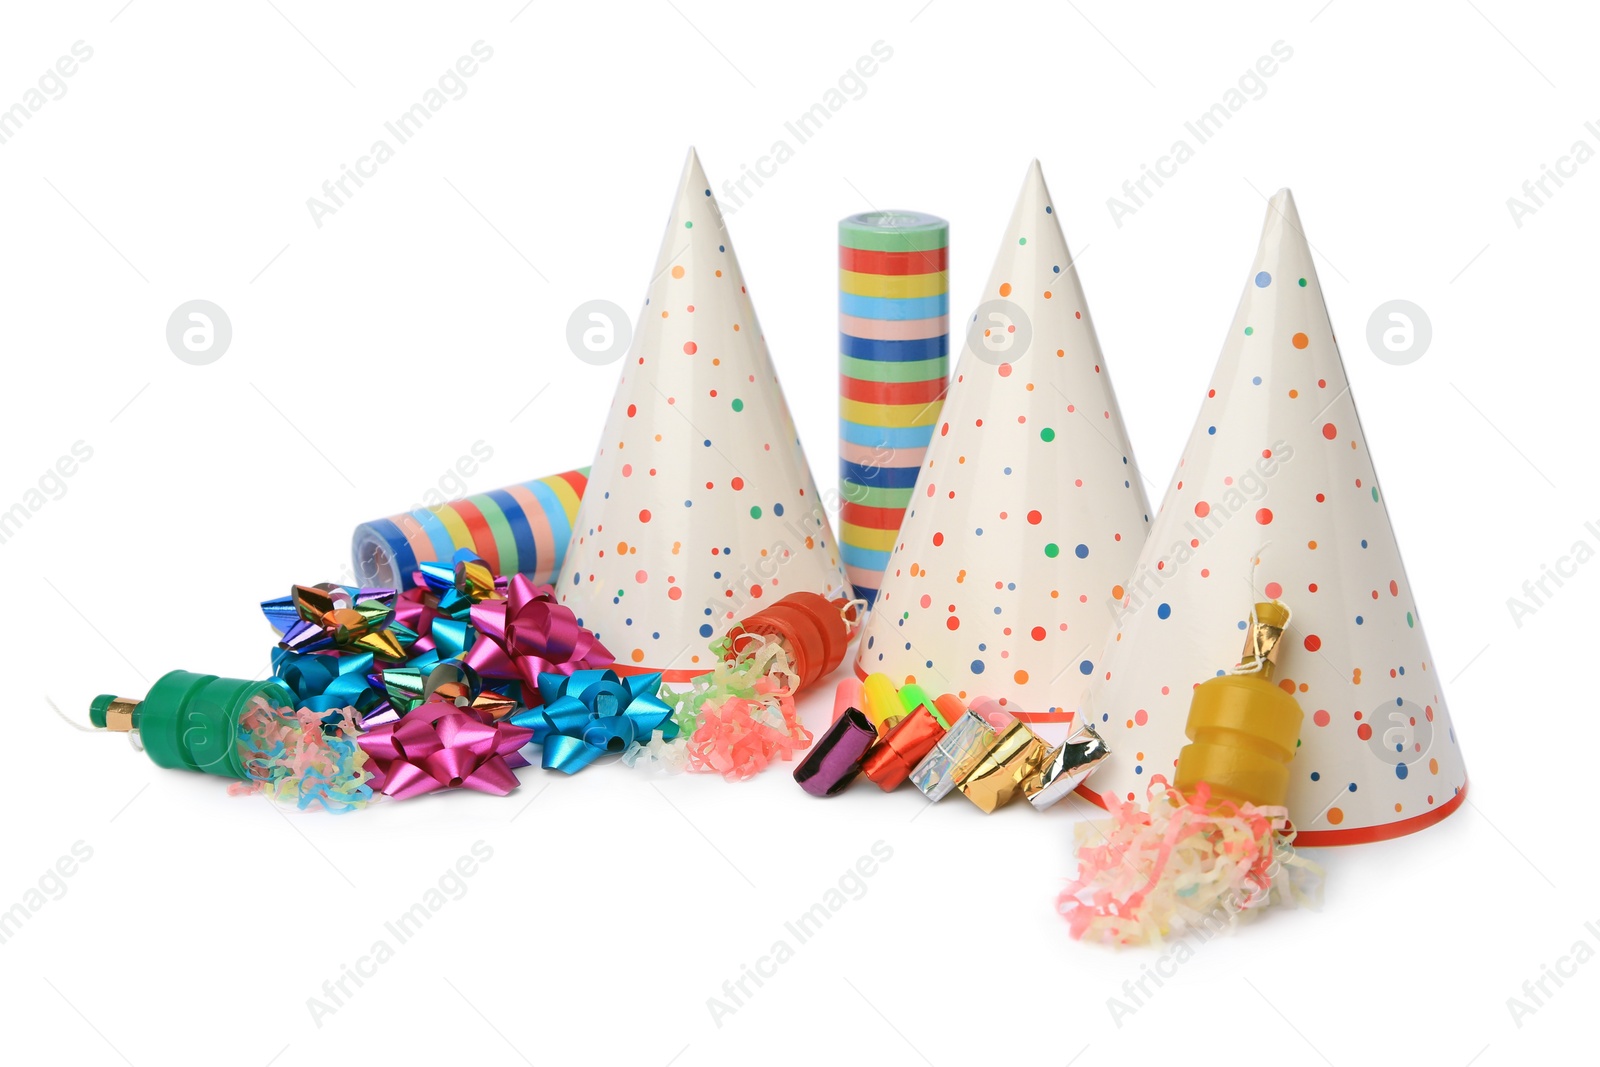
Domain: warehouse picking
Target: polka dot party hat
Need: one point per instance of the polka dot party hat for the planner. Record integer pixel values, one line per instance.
(1276, 497)
(1028, 510)
(700, 508)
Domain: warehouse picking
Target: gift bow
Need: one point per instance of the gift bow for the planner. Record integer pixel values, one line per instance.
(327, 683)
(448, 591)
(438, 745)
(505, 631)
(529, 635)
(423, 677)
(313, 618)
(464, 581)
(591, 712)
(463, 633)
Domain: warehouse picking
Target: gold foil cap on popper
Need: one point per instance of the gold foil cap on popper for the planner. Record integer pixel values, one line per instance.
(1066, 767)
(997, 777)
(1269, 621)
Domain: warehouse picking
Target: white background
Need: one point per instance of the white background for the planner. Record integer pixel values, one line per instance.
(371, 353)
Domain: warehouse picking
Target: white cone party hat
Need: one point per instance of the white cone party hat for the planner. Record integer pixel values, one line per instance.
(700, 508)
(1028, 514)
(1275, 498)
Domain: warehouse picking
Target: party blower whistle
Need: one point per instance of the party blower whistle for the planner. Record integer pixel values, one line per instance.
(907, 742)
(1066, 767)
(190, 721)
(1242, 728)
(997, 777)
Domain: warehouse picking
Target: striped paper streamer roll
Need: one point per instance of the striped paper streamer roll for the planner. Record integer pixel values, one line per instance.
(894, 362)
(521, 529)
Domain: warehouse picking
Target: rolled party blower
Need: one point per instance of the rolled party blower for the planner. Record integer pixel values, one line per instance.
(985, 751)
(894, 347)
(520, 529)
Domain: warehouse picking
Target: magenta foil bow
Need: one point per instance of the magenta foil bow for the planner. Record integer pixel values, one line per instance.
(517, 637)
(439, 745)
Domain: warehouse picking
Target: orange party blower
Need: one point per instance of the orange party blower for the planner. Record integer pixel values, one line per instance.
(813, 630)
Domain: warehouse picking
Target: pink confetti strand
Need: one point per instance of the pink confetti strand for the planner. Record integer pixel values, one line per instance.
(1185, 863)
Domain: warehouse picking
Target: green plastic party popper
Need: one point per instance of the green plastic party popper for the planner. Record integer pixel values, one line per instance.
(190, 721)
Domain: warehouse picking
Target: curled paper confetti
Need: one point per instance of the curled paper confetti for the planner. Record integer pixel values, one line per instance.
(298, 758)
(658, 754)
(439, 745)
(1186, 863)
(738, 718)
(741, 737)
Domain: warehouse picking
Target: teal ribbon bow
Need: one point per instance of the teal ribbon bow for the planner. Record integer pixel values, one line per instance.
(329, 683)
(589, 713)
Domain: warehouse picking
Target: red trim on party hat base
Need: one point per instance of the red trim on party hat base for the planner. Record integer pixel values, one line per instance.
(1059, 715)
(685, 674)
(1356, 835)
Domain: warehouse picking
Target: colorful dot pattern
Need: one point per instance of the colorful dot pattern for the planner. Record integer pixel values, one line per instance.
(701, 508)
(1283, 495)
(1029, 509)
(894, 356)
(523, 528)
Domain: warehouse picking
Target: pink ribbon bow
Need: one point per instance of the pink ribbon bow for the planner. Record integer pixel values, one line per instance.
(528, 634)
(438, 745)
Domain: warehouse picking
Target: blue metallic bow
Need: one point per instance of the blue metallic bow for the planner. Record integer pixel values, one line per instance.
(327, 683)
(589, 713)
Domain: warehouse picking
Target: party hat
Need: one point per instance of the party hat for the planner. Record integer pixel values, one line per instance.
(1275, 497)
(1028, 511)
(700, 507)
